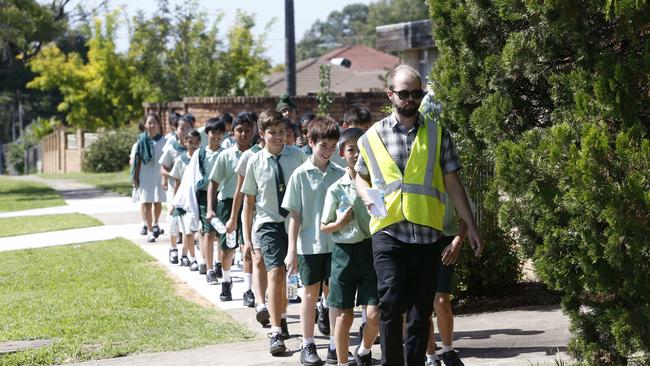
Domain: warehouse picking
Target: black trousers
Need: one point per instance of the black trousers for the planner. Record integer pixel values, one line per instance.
(406, 275)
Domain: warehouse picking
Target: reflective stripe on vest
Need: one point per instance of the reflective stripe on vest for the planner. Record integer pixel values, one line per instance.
(432, 192)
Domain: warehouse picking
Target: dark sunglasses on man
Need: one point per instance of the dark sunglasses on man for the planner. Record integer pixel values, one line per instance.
(404, 94)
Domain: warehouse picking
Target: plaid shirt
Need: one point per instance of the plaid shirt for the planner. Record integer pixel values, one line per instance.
(398, 142)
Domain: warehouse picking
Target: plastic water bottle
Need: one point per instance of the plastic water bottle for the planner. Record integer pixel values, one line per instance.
(379, 186)
(231, 239)
(292, 287)
(218, 225)
(344, 203)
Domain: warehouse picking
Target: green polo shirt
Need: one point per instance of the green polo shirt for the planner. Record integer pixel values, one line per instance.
(359, 228)
(224, 173)
(208, 162)
(306, 194)
(260, 182)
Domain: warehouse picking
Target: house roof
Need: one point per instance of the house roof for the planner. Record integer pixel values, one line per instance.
(367, 70)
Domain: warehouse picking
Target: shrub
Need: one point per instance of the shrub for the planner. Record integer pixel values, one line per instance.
(110, 152)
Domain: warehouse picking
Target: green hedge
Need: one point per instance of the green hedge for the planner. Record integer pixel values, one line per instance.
(110, 153)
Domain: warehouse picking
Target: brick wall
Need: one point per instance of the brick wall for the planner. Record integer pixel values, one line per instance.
(204, 108)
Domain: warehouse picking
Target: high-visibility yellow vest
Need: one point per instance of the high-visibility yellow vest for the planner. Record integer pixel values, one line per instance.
(418, 195)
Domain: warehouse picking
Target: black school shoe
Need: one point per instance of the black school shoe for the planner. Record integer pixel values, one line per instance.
(285, 328)
(185, 261)
(249, 299)
(157, 231)
(332, 358)
(217, 268)
(194, 266)
(324, 321)
(263, 317)
(277, 346)
(211, 277)
(226, 293)
(309, 356)
(173, 256)
(203, 269)
(144, 230)
(365, 360)
(450, 358)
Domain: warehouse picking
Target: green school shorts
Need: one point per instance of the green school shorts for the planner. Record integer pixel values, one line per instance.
(202, 200)
(224, 208)
(274, 244)
(353, 273)
(314, 268)
(445, 278)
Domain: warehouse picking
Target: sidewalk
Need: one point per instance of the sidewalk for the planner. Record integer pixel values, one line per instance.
(525, 336)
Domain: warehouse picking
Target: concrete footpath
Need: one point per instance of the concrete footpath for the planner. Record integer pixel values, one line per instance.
(524, 336)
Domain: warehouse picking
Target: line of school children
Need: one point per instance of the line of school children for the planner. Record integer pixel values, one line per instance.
(292, 210)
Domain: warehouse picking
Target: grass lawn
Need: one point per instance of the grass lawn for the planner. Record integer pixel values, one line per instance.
(97, 301)
(115, 182)
(11, 226)
(17, 195)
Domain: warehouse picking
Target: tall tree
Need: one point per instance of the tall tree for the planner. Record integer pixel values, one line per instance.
(556, 96)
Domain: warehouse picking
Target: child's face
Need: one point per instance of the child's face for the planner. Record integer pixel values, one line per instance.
(215, 138)
(193, 143)
(322, 150)
(152, 126)
(290, 138)
(243, 134)
(274, 136)
(181, 130)
(351, 153)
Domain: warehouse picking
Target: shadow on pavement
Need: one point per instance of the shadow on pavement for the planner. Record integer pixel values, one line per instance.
(485, 334)
(504, 352)
(86, 193)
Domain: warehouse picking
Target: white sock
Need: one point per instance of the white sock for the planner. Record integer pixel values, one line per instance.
(172, 246)
(433, 357)
(306, 341)
(447, 348)
(276, 330)
(323, 302)
(259, 307)
(200, 259)
(226, 276)
(192, 258)
(144, 223)
(362, 351)
(344, 364)
(364, 313)
(332, 343)
(155, 223)
(248, 280)
(283, 315)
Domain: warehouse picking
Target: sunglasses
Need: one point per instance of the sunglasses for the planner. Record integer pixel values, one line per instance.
(404, 94)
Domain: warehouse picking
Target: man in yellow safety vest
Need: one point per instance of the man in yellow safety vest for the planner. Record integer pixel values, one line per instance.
(411, 164)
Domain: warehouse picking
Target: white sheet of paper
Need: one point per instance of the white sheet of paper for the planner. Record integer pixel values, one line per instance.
(378, 208)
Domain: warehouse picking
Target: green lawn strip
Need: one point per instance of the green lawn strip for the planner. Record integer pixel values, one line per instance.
(100, 300)
(17, 195)
(12, 226)
(117, 182)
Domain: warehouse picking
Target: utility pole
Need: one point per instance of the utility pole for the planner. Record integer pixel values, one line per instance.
(289, 48)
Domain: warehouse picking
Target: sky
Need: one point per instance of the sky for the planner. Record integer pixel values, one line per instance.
(306, 12)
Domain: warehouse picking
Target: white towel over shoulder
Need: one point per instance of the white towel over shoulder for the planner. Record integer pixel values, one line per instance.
(185, 197)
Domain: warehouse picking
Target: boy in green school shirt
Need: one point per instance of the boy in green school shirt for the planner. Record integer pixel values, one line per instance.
(309, 248)
(264, 187)
(224, 178)
(353, 273)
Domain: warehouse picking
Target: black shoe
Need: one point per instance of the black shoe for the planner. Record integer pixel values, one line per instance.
(179, 239)
(263, 317)
(324, 321)
(217, 268)
(285, 328)
(203, 269)
(309, 356)
(194, 266)
(211, 277)
(332, 358)
(173, 256)
(185, 262)
(157, 231)
(226, 294)
(277, 344)
(249, 299)
(144, 230)
(297, 300)
(450, 358)
(362, 360)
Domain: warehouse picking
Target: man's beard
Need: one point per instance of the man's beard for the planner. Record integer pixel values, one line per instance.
(407, 111)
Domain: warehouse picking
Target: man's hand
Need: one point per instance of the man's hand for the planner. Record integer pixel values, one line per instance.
(345, 217)
(475, 241)
(450, 253)
(291, 262)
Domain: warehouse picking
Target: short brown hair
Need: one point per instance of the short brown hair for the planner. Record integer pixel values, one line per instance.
(268, 118)
(323, 128)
